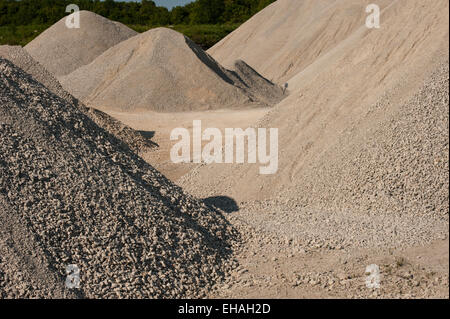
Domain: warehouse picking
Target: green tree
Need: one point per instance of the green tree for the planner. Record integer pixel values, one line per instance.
(179, 15)
(207, 12)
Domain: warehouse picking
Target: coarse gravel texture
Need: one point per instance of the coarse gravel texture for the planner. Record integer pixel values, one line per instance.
(401, 166)
(62, 50)
(77, 195)
(162, 70)
(274, 265)
(23, 60)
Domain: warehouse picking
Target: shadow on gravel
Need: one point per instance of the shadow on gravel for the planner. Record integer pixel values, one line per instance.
(224, 203)
(147, 134)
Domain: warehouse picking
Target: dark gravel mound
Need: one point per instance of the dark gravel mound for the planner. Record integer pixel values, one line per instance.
(255, 85)
(74, 194)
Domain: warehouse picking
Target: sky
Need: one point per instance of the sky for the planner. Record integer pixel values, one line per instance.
(171, 3)
(168, 3)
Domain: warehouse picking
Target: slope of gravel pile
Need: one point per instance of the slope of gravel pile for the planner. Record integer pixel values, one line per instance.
(78, 196)
(254, 84)
(62, 50)
(401, 165)
(333, 126)
(23, 60)
(135, 140)
(289, 35)
(162, 70)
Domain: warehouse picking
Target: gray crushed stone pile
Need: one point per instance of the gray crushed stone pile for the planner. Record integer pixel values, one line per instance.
(71, 193)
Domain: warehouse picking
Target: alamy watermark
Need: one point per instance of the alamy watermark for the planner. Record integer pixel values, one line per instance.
(73, 277)
(373, 19)
(73, 20)
(373, 279)
(224, 149)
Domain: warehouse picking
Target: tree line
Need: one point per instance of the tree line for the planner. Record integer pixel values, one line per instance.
(145, 12)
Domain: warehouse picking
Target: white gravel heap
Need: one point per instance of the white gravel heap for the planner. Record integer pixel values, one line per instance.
(72, 194)
(162, 70)
(62, 50)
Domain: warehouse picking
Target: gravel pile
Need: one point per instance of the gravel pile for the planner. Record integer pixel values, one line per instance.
(254, 84)
(347, 139)
(23, 60)
(73, 194)
(400, 166)
(396, 167)
(289, 35)
(62, 50)
(162, 70)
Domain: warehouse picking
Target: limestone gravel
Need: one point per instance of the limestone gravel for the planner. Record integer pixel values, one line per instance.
(288, 35)
(162, 70)
(363, 150)
(23, 60)
(78, 196)
(396, 196)
(62, 50)
(347, 139)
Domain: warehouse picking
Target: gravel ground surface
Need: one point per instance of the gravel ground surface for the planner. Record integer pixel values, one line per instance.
(273, 265)
(79, 196)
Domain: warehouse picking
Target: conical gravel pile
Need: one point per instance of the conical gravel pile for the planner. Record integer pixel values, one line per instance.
(62, 50)
(162, 70)
(79, 197)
